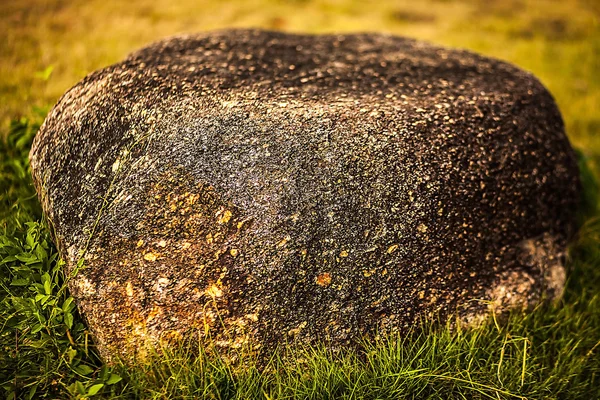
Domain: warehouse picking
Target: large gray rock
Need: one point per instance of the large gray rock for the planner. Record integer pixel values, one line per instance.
(255, 187)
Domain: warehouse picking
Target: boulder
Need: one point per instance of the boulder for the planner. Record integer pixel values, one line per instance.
(253, 188)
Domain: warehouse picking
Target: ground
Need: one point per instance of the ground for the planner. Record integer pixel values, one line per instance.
(47, 46)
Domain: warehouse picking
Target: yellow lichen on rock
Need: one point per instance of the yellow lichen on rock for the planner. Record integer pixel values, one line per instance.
(225, 217)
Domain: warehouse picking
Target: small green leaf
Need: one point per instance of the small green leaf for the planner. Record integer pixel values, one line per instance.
(36, 328)
(19, 282)
(95, 389)
(84, 369)
(66, 306)
(104, 373)
(68, 319)
(40, 253)
(72, 388)
(71, 353)
(80, 388)
(38, 288)
(30, 240)
(8, 259)
(41, 298)
(41, 318)
(47, 287)
(32, 392)
(114, 378)
(27, 258)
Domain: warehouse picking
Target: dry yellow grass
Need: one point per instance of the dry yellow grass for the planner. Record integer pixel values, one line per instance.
(558, 40)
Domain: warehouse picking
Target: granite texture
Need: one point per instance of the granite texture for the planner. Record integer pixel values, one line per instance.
(252, 188)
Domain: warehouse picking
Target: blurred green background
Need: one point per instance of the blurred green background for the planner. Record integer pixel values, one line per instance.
(47, 46)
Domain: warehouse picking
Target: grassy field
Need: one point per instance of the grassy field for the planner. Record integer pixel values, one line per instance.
(45, 350)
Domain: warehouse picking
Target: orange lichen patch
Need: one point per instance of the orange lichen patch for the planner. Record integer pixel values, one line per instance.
(422, 228)
(324, 279)
(343, 253)
(167, 238)
(392, 248)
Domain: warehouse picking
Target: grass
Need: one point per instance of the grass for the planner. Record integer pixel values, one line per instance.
(552, 352)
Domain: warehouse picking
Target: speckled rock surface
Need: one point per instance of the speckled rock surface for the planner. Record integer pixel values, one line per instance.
(256, 188)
